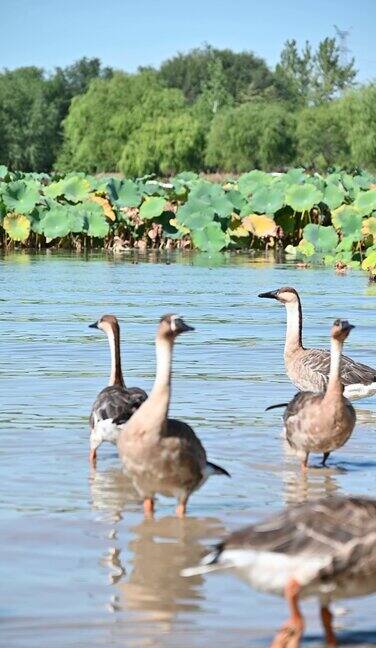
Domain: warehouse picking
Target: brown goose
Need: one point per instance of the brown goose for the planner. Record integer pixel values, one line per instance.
(163, 455)
(308, 369)
(322, 422)
(325, 548)
(116, 399)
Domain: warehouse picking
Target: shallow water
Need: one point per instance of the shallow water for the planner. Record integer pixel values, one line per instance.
(80, 566)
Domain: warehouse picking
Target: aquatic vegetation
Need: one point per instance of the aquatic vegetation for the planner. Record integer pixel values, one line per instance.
(323, 219)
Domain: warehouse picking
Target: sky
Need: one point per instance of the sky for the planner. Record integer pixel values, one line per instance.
(128, 33)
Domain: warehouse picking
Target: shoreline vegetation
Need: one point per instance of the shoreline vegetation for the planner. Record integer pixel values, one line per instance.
(308, 217)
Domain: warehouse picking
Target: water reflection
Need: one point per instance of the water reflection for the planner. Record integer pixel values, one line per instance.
(111, 491)
(315, 483)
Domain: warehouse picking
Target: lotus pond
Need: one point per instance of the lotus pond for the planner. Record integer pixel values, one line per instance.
(80, 566)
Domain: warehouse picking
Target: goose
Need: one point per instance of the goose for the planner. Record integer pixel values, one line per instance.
(114, 400)
(308, 369)
(325, 548)
(161, 454)
(322, 422)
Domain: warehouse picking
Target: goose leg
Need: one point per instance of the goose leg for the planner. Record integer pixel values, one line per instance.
(325, 458)
(181, 508)
(304, 463)
(326, 618)
(291, 632)
(148, 507)
(93, 457)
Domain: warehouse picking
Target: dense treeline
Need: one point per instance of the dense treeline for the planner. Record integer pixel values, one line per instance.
(209, 109)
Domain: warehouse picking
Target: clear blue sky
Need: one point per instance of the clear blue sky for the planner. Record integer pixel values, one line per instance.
(126, 34)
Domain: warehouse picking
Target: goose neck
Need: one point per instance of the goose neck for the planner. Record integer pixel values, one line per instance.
(334, 382)
(294, 326)
(116, 376)
(162, 385)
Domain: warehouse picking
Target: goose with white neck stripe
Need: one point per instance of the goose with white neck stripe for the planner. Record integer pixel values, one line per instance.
(308, 369)
(160, 454)
(116, 399)
(322, 422)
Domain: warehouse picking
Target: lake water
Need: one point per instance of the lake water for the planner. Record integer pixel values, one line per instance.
(80, 566)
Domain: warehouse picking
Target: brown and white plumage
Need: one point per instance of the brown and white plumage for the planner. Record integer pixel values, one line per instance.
(322, 422)
(325, 548)
(115, 401)
(308, 369)
(163, 455)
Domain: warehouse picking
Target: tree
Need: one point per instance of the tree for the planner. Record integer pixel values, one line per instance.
(254, 135)
(191, 72)
(165, 146)
(313, 78)
(322, 137)
(359, 116)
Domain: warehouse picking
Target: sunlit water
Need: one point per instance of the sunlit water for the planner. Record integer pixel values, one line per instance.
(80, 566)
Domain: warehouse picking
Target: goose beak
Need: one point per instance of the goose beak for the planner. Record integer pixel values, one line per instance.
(272, 294)
(95, 325)
(181, 326)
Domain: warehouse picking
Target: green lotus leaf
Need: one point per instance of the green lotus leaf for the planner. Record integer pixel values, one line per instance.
(95, 218)
(365, 202)
(152, 207)
(3, 171)
(74, 188)
(77, 219)
(317, 181)
(295, 176)
(306, 247)
(333, 178)
(333, 196)
(323, 238)
(347, 181)
(369, 263)
(302, 197)
(249, 182)
(55, 223)
(21, 197)
(17, 226)
(267, 200)
(195, 214)
(363, 181)
(346, 244)
(186, 176)
(210, 238)
(347, 219)
(236, 198)
(112, 187)
(152, 188)
(213, 196)
(128, 194)
(180, 188)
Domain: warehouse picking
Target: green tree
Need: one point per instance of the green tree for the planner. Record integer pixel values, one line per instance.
(293, 74)
(330, 76)
(359, 113)
(257, 134)
(165, 146)
(322, 137)
(191, 72)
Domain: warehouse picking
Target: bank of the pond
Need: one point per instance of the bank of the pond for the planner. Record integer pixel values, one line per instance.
(311, 218)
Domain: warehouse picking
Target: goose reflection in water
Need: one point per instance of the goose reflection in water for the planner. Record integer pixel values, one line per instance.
(310, 486)
(111, 492)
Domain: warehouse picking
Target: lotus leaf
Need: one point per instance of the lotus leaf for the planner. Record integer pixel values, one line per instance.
(323, 238)
(106, 206)
(210, 238)
(195, 214)
(21, 197)
(152, 207)
(212, 196)
(187, 176)
(127, 194)
(302, 197)
(349, 221)
(55, 223)
(236, 198)
(365, 202)
(346, 244)
(369, 263)
(306, 247)
(333, 196)
(152, 188)
(73, 188)
(369, 227)
(3, 171)
(181, 228)
(260, 225)
(295, 176)
(249, 182)
(267, 200)
(77, 219)
(17, 226)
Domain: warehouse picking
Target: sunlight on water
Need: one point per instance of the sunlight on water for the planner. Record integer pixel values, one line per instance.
(81, 566)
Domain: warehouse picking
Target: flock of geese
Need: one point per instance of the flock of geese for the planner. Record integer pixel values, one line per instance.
(325, 548)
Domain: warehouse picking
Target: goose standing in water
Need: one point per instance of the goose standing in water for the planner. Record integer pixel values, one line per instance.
(325, 548)
(308, 369)
(163, 455)
(322, 422)
(116, 399)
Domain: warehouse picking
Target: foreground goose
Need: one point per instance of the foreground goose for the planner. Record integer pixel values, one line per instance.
(322, 422)
(163, 455)
(308, 369)
(325, 548)
(116, 399)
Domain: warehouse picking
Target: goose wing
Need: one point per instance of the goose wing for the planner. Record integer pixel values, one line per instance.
(331, 526)
(117, 404)
(316, 362)
(298, 402)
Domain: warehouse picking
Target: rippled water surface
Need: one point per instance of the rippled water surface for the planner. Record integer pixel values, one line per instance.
(80, 566)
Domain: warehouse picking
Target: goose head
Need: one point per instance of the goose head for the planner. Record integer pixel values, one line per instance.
(170, 326)
(285, 295)
(341, 329)
(107, 323)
